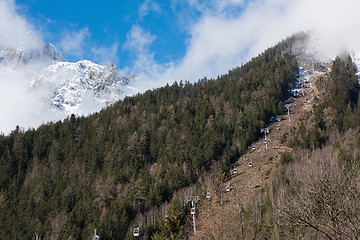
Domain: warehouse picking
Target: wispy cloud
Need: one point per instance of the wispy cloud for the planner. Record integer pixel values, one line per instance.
(15, 31)
(224, 34)
(78, 45)
(221, 36)
(146, 68)
(103, 55)
(146, 7)
(138, 40)
(19, 106)
(74, 42)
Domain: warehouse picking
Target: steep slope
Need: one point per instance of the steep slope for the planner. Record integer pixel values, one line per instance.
(220, 216)
(117, 168)
(300, 181)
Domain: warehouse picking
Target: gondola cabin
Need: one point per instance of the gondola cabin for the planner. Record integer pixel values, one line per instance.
(136, 232)
(96, 237)
(208, 195)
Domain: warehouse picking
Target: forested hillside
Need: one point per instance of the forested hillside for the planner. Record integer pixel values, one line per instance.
(67, 178)
(314, 193)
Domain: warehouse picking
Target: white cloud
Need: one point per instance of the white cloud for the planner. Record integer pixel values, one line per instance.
(214, 6)
(146, 7)
(78, 44)
(103, 55)
(15, 31)
(74, 42)
(18, 105)
(222, 38)
(145, 67)
(222, 34)
(138, 39)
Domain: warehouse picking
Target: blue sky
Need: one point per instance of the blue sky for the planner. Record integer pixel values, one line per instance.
(77, 28)
(107, 24)
(166, 41)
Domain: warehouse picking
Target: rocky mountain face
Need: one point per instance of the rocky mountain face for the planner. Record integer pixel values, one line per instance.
(72, 87)
(65, 87)
(20, 56)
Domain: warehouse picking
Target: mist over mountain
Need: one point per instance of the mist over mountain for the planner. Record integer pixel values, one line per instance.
(45, 87)
(222, 35)
(90, 154)
(126, 163)
(16, 57)
(134, 162)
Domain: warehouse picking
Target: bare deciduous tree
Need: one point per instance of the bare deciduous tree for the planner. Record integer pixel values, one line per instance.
(323, 201)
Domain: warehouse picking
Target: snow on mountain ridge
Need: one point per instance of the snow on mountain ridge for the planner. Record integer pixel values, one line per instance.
(54, 54)
(39, 85)
(16, 57)
(66, 83)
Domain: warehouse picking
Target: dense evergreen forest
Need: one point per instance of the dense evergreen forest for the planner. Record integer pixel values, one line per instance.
(67, 178)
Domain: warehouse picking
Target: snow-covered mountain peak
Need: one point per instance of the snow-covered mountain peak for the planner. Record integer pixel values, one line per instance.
(53, 53)
(18, 57)
(57, 88)
(65, 84)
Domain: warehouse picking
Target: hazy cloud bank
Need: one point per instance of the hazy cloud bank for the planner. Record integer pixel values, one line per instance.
(222, 35)
(228, 33)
